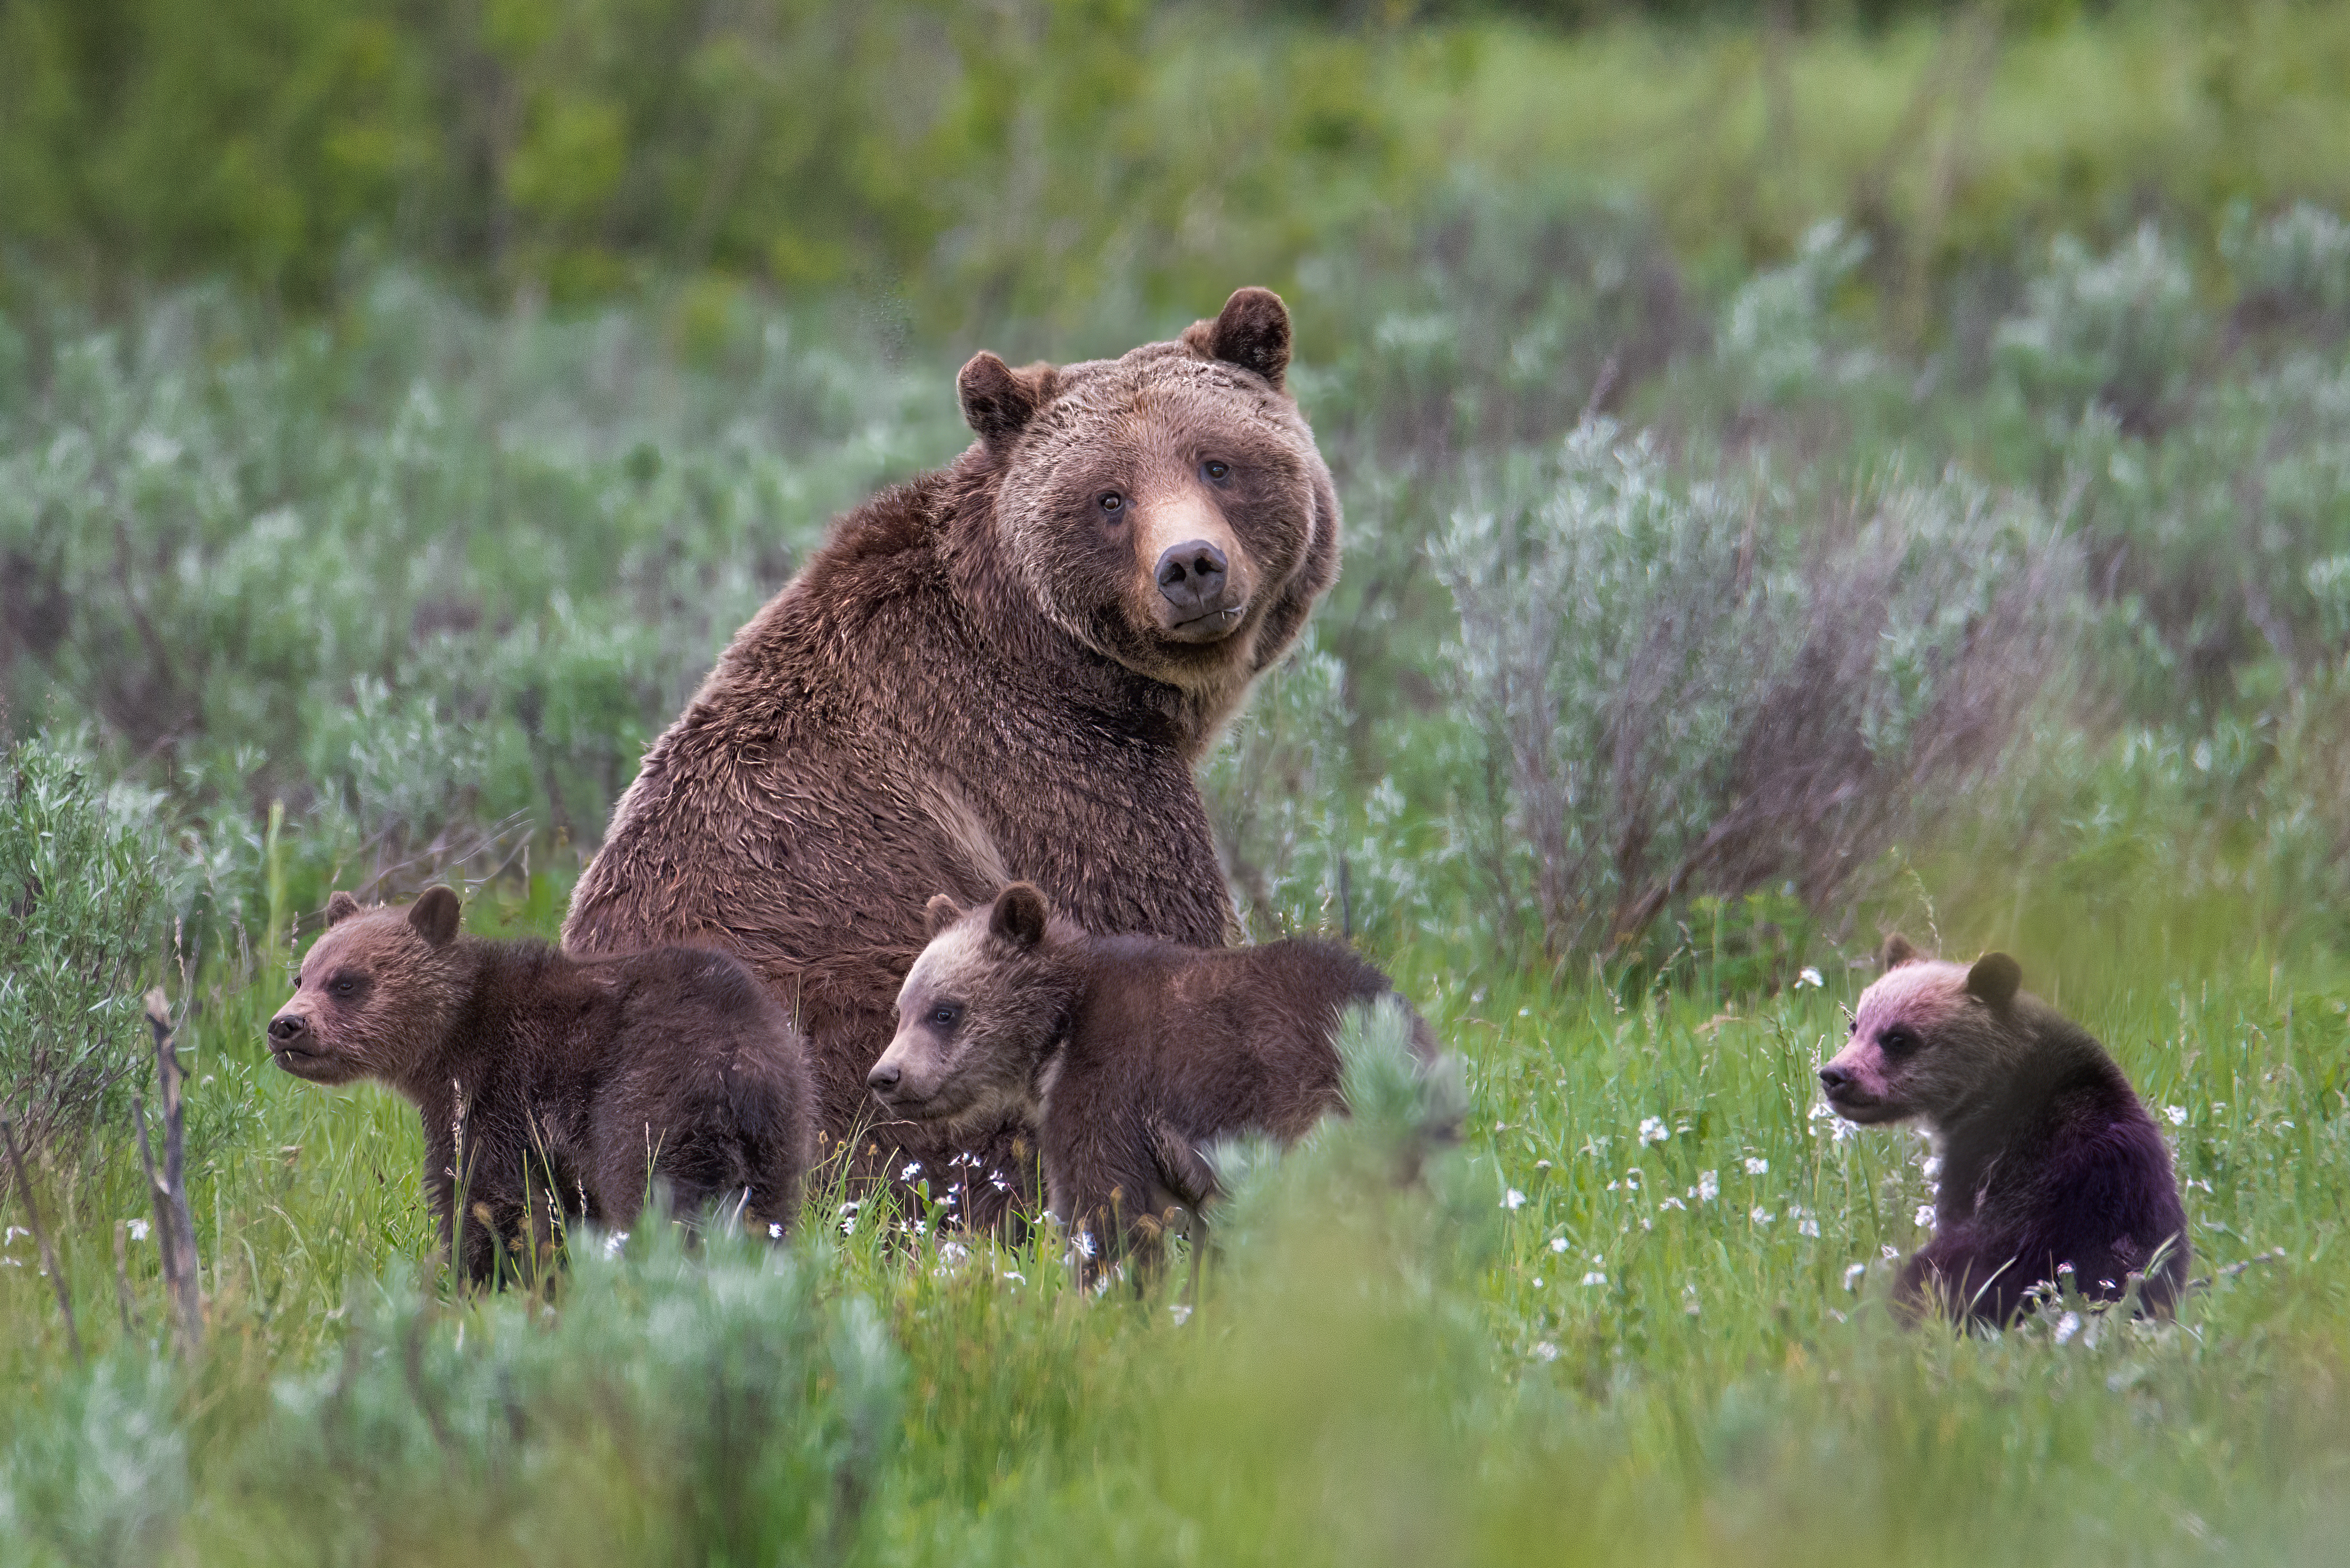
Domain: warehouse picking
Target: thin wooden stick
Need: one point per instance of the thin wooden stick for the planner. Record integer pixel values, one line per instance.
(172, 1211)
(41, 1236)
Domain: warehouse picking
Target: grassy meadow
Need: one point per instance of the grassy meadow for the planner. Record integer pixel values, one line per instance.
(1836, 480)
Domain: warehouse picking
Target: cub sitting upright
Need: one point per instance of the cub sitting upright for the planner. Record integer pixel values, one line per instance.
(1129, 1054)
(2048, 1159)
(550, 1083)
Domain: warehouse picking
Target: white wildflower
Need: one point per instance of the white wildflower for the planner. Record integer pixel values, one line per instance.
(2178, 1114)
(1514, 1198)
(1708, 1187)
(1180, 1311)
(913, 1168)
(1925, 1215)
(15, 1230)
(614, 1242)
(1760, 1215)
(1756, 1167)
(1890, 1254)
(2067, 1326)
(1654, 1131)
(1015, 1275)
(774, 1232)
(1545, 1351)
(1596, 1277)
(1851, 1276)
(1932, 1168)
(1671, 1203)
(1084, 1243)
(1558, 1244)
(1808, 976)
(1539, 1282)
(139, 1230)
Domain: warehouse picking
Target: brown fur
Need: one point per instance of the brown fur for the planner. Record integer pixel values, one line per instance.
(1131, 1054)
(2049, 1161)
(551, 1084)
(979, 678)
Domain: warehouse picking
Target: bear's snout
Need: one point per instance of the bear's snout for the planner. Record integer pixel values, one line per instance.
(1834, 1079)
(884, 1076)
(287, 1030)
(1193, 577)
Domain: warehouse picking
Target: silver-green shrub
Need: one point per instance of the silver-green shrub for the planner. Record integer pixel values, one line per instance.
(82, 891)
(1685, 692)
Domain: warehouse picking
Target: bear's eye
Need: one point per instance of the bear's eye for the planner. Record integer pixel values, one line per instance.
(944, 1017)
(1217, 472)
(1899, 1041)
(1111, 502)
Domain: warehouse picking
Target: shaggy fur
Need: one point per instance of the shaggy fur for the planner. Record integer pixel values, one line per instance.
(2048, 1159)
(1130, 1053)
(547, 1084)
(1002, 669)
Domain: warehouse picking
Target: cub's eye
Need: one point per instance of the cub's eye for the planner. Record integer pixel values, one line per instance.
(1217, 472)
(344, 986)
(1111, 502)
(944, 1017)
(1898, 1041)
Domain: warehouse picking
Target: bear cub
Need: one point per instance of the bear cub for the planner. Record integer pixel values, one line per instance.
(549, 1083)
(1127, 1053)
(2049, 1161)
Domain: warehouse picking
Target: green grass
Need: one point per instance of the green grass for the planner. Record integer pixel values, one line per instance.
(1648, 1352)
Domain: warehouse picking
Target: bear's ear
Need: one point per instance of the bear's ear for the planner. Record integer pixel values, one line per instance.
(998, 402)
(939, 914)
(1253, 333)
(435, 916)
(340, 907)
(1019, 915)
(1994, 978)
(1895, 952)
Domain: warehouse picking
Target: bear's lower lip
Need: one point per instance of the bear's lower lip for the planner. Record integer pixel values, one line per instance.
(1213, 626)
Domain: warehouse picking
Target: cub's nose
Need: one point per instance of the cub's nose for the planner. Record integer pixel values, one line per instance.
(287, 1027)
(1192, 577)
(884, 1076)
(1832, 1077)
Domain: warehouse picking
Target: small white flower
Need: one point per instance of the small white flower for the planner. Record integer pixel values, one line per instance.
(852, 1206)
(1084, 1243)
(1931, 1168)
(1514, 1198)
(1756, 1167)
(1632, 1178)
(1545, 1351)
(953, 1252)
(1538, 1283)
(1181, 1313)
(1809, 976)
(15, 1230)
(1889, 1253)
(614, 1242)
(1810, 1227)
(1671, 1203)
(1015, 1275)
(1925, 1215)
(913, 1168)
(1654, 1131)
(1760, 1215)
(1708, 1187)
(1558, 1244)
(1851, 1276)
(1596, 1277)
(774, 1232)
(2178, 1114)
(2067, 1326)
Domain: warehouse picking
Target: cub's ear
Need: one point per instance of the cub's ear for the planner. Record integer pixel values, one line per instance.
(1994, 978)
(340, 907)
(1019, 915)
(998, 402)
(939, 914)
(1895, 952)
(1253, 333)
(435, 916)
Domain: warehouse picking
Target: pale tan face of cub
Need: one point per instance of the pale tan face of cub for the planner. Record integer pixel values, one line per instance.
(975, 1015)
(1925, 1037)
(373, 994)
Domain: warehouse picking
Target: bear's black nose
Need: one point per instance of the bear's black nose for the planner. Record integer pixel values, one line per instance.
(288, 1027)
(1832, 1077)
(1192, 577)
(883, 1077)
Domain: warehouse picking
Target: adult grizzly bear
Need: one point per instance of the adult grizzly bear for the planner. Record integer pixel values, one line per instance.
(1001, 670)
(2049, 1161)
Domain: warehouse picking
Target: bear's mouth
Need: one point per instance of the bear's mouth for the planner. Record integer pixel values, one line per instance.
(1861, 1109)
(1212, 625)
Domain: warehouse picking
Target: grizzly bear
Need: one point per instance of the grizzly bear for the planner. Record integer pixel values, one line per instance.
(551, 1084)
(2049, 1163)
(1130, 1054)
(1001, 670)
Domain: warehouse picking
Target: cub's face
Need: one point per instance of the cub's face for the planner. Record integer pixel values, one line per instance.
(975, 1015)
(1926, 1038)
(371, 992)
(1159, 506)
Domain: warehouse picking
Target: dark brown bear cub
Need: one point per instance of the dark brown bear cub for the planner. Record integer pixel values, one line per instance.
(551, 1083)
(1129, 1055)
(2049, 1161)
